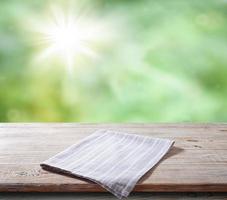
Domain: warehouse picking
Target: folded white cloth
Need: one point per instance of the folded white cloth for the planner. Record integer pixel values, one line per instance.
(113, 159)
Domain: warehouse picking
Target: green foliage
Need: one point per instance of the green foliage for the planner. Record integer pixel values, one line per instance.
(167, 62)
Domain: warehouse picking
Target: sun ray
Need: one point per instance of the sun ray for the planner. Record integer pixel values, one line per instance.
(68, 37)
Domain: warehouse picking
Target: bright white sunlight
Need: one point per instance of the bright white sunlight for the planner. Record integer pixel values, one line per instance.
(69, 36)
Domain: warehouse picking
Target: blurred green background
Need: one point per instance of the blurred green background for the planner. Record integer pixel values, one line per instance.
(166, 61)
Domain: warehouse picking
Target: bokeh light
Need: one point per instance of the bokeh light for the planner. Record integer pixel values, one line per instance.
(113, 61)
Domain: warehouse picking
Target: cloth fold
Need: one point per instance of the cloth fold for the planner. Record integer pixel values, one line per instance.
(115, 160)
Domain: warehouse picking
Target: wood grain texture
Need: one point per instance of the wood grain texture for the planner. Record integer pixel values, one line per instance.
(197, 163)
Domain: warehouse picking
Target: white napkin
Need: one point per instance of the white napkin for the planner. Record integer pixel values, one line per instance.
(112, 159)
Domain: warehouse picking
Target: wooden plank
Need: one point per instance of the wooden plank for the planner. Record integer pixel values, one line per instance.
(197, 163)
(107, 196)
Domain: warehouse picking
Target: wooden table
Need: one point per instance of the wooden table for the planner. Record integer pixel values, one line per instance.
(197, 163)
(107, 196)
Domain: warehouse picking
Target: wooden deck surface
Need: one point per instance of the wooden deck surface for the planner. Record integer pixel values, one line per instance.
(197, 163)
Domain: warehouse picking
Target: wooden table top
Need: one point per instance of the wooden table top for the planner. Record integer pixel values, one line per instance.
(196, 163)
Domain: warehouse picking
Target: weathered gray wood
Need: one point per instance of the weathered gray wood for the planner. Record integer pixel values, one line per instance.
(197, 163)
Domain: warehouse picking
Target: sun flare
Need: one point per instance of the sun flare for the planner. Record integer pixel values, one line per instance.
(67, 40)
(68, 37)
